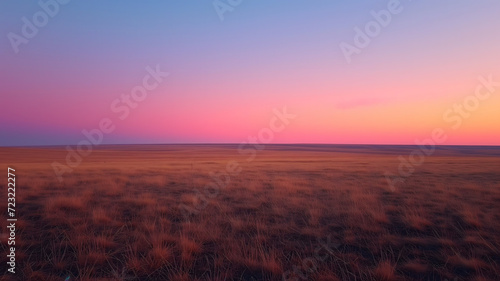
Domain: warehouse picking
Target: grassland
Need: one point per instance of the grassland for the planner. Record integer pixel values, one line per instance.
(293, 212)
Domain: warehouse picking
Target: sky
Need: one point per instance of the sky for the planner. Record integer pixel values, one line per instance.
(351, 72)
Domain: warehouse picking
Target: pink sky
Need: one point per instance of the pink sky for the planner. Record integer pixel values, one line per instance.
(227, 77)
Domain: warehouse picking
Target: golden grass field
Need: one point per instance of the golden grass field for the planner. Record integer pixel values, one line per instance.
(294, 212)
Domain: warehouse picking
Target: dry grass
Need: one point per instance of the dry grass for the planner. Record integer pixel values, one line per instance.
(117, 216)
(385, 271)
(65, 203)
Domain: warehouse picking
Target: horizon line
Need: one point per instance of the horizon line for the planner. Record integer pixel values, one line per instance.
(232, 143)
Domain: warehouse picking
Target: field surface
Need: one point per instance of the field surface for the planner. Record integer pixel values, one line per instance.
(279, 212)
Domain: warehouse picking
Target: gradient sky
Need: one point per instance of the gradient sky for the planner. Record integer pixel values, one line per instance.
(227, 76)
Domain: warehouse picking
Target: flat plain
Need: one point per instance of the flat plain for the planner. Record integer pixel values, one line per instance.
(292, 212)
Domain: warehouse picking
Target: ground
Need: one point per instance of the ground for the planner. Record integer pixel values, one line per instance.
(292, 212)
